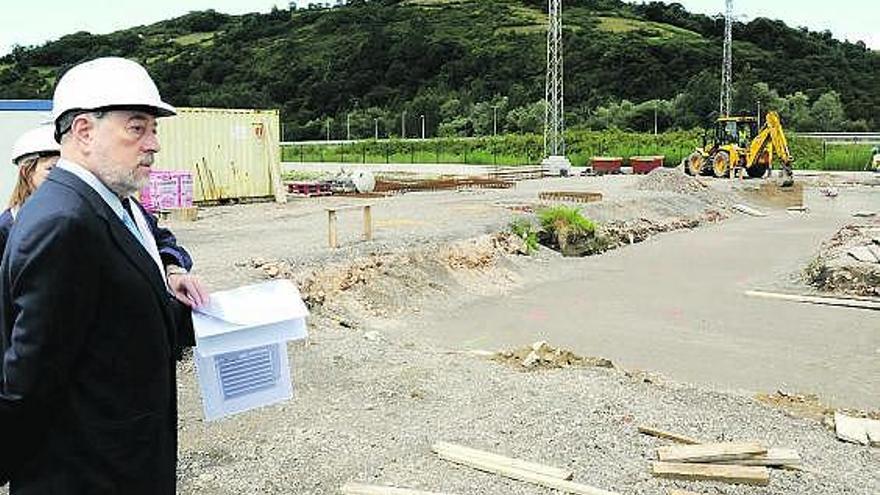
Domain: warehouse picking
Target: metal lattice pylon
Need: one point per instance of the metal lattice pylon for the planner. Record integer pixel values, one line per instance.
(727, 65)
(554, 121)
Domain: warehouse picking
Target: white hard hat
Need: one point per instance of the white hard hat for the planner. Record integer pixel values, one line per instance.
(38, 140)
(107, 82)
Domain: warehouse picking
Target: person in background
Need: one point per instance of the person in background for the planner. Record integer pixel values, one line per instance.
(34, 153)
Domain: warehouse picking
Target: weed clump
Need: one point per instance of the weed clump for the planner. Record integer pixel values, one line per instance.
(566, 230)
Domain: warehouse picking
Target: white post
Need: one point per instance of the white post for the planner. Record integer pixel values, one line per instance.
(376, 128)
(403, 125)
(423, 126)
(759, 114)
(348, 127)
(328, 129)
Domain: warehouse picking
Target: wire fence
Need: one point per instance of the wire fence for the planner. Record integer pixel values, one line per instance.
(809, 154)
(435, 152)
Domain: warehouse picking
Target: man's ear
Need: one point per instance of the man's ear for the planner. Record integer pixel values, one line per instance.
(83, 128)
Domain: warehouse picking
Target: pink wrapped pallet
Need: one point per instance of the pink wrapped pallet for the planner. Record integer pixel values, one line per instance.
(186, 190)
(168, 190)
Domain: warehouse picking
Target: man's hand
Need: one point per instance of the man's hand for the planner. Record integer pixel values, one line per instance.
(188, 289)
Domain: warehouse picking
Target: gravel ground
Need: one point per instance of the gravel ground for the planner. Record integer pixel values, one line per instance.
(371, 396)
(368, 407)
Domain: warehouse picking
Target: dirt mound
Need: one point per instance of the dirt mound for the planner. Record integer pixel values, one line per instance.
(835, 269)
(542, 356)
(386, 283)
(810, 406)
(637, 230)
(670, 180)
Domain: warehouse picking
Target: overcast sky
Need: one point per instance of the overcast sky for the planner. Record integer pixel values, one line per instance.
(33, 22)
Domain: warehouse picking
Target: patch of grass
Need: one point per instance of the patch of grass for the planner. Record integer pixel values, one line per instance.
(565, 227)
(194, 39)
(565, 220)
(525, 230)
(654, 29)
(581, 145)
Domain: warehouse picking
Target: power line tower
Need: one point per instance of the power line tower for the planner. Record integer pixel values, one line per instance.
(554, 118)
(727, 65)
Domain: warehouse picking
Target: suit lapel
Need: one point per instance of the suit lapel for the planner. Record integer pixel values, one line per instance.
(130, 247)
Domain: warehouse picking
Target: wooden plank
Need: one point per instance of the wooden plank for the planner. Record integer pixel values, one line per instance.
(774, 457)
(748, 475)
(359, 489)
(710, 452)
(675, 437)
(522, 475)
(453, 449)
(331, 226)
(368, 223)
(829, 301)
(682, 492)
(748, 210)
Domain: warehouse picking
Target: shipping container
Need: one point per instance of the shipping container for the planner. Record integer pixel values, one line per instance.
(232, 154)
(16, 118)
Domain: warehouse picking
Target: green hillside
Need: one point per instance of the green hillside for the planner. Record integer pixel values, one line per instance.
(461, 63)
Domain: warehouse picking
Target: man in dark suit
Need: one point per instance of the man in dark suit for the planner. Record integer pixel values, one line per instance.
(89, 336)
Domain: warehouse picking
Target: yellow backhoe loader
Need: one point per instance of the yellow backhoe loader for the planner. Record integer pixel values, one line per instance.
(739, 146)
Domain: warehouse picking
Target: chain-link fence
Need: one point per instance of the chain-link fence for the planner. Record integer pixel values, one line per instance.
(809, 154)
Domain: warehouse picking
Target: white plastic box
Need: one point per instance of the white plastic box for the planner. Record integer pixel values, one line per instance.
(241, 346)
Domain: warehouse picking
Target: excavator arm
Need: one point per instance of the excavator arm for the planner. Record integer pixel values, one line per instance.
(772, 136)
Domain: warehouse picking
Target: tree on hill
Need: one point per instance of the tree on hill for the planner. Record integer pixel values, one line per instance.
(371, 61)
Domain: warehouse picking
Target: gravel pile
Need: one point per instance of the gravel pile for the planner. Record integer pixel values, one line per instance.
(835, 270)
(670, 180)
(542, 356)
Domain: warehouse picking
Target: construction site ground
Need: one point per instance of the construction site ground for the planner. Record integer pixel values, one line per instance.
(390, 366)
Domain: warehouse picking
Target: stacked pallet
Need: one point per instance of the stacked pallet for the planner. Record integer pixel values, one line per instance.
(308, 189)
(517, 173)
(570, 196)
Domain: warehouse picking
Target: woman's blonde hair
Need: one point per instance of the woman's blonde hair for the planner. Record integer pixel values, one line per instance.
(25, 185)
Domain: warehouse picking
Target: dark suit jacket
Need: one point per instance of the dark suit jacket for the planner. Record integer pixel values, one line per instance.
(6, 221)
(88, 397)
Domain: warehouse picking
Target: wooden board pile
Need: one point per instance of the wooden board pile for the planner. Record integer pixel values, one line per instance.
(729, 462)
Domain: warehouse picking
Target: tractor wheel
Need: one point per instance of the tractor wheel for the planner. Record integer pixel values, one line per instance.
(721, 164)
(757, 171)
(695, 164)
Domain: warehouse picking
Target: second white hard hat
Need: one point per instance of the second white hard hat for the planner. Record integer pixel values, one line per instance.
(105, 83)
(35, 141)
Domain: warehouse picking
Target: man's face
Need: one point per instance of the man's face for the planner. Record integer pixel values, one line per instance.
(123, 149)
